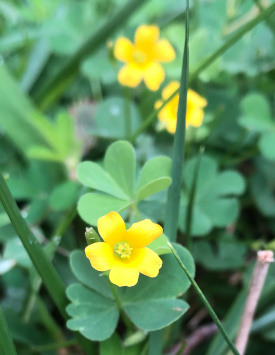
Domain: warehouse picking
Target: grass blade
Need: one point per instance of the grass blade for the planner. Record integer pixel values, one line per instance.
(6, 342)
(44, 267)
(173, 199)
(208, 61)
(56, 85)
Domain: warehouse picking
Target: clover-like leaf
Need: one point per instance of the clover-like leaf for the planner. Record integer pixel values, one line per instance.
(116, 180)
(92, 301)
(215, 203)
(93, 315)
(256, 116)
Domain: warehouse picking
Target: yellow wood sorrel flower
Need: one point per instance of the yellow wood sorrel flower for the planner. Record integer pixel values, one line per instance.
(124, 252)
(168, 115)
(142, 58)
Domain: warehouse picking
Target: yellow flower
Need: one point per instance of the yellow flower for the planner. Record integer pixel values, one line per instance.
(142, 58)
(168, 115)
(124, 252)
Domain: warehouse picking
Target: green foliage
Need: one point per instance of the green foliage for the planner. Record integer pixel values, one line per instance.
(117, 180)
(113, 124)
(93, 303)
(256, 116)
(215, 203)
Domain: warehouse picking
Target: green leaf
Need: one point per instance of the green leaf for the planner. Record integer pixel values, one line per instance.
(64, 196)
(171, 281)
(267, 145)
(93, 175)
(120, 163)
(227, 253)
(256, 114)
(91, 278)
(94, 315)
(6, 343)
(15, 251)
(154, 177)
(160, 246)
(139, 301)
(15, 116)
(92, 206)
(113, 125)
(112, 346)
(147, 316)
(215, 203)
(43, 153)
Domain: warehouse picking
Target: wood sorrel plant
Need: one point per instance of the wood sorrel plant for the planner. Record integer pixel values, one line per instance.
(137, 272)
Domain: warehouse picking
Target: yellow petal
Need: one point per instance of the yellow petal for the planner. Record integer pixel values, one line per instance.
(196, 99)
(143, 233)
(149, 262)
(163, 51)
(194, 117)
(146, 37)
(124, 49)
(153, 76)
(171, 126)
(100, 255)
(130, 76)
(121, 275)
(111, 228)
(170, 89)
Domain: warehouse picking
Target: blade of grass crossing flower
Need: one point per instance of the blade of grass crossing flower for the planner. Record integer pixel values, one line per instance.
(189, 213)
(56, 85)
(6, 342)
(205, 302)
(173, 200)
(44, 267)
(207, 62)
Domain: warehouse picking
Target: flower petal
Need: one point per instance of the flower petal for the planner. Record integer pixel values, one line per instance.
(170, 89)
(163, 51)
(100, 255)
(121, 275)
(153, 76)
(196, 99)
(130, 76)
(124, 49)
(146, 36)
(143, 233)
(111, 228)
(194, 117)
(150, 262)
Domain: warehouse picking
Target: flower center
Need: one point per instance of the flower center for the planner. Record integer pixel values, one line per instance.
(140, 57)
(123, 250)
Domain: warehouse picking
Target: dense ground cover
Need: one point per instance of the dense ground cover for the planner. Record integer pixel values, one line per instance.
(89, 93)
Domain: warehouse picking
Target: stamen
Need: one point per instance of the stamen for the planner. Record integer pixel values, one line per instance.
(140, 57)
(123, 250)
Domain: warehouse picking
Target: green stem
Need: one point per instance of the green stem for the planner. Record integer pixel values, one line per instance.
(205, 302)
(6, 343)
(206, 62)
(57, 84)
(127, 112)
(137, 211)
(124, 316)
